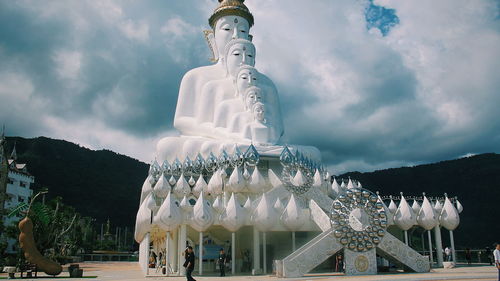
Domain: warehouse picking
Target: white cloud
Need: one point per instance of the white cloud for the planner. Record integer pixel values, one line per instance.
(68, 63)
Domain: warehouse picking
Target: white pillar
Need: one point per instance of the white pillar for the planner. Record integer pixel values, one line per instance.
(256, 251)
(181, 248)
(167, 253)
(452, 242)
(200, 249)
(439, 245)
(430, 247)
(264, 252)
(233, 253)
(293, 241)
(406, 237)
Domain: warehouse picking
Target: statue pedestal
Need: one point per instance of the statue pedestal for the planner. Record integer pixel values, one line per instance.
(360, 263)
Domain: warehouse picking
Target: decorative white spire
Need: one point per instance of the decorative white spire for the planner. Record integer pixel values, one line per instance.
(264, 216)
(449, 217)
(215, 183)
(200, 186)
(278, 205)
(415, 206)
(162, 187)
(293, 216)
(236, 182)
(203, 216)
(257, 182)
(143, 220)
(185, 206)
(248, 205)
(426, 217)
(350, 184)
(334, 191)
(438, 207)
(392, 207)
(182, 187)
(151, 203)
(404, 216)
(146, 188)
(273, 179)
(318, 181)
(234, 215)
(460, 208)
(218, 205)
(299, 179)
(169, 215)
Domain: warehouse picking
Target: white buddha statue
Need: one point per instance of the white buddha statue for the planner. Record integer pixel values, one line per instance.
(230, 21)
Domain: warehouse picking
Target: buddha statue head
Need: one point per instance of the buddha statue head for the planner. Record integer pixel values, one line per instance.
(230, 20)
(238, 52)
(246, 77)
(252, 96)
(258, 111)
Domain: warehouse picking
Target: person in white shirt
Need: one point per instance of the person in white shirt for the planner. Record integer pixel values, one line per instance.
(447, 252)
(496, 254)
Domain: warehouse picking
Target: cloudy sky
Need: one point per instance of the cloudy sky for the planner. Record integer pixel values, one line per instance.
(371, 84)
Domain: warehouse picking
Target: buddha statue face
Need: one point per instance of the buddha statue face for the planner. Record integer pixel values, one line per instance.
(259, 112)
(252, 96)
(246, 78)
(228, 28)
(238, 53)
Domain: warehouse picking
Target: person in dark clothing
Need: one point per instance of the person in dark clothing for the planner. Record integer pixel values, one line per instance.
(339, 263)
(489, 255)
(468, 256)
(222, 262)
(189, 263)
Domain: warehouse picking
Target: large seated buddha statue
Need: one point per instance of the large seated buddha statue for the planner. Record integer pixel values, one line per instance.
(230, 103)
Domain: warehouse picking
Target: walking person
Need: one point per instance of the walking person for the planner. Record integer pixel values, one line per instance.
(468, 256)
(447, 252)
(339, 263)
(222, 262)
(496, 255)
(189, 263)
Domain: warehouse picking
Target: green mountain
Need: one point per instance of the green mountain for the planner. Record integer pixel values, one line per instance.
(100, 184)
(103, 184)
(474, 180)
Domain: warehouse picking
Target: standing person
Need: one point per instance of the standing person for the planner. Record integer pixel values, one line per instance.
(189, 263)
(339, 264)
(447, 252)
(488, 255)
(468, 256)
(496, 254)
(222, 262)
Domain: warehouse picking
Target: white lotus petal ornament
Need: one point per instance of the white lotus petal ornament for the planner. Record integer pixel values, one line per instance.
(215, 183)
(234, 215)
(200, 186)
(299, 179)
(264, 216)
(185, 206)
(182, 187)
(236, 182)
(449, 217)
(318, 180)
(415, 206)
(248, 205)
(404, 217)
(350, 184)
(278, 205)
(438, 207)
(146, 188)
(460, 208)
(151, 203)
(162, 187)
(218, 204)
(257, 182)
(392, 207)
(172, 181)
(293, 216)
(343, 185)
(143, 220)
(274, 179)
(203, 216)
(426, 216)
(335, 189)
(169, 215)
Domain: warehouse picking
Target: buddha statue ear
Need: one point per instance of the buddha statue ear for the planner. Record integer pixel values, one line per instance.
(250, 37)
(210, 37)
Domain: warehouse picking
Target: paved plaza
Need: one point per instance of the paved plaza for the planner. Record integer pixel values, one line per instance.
(130, 271)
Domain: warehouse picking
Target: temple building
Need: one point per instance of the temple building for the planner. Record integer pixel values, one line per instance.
(15, 187)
